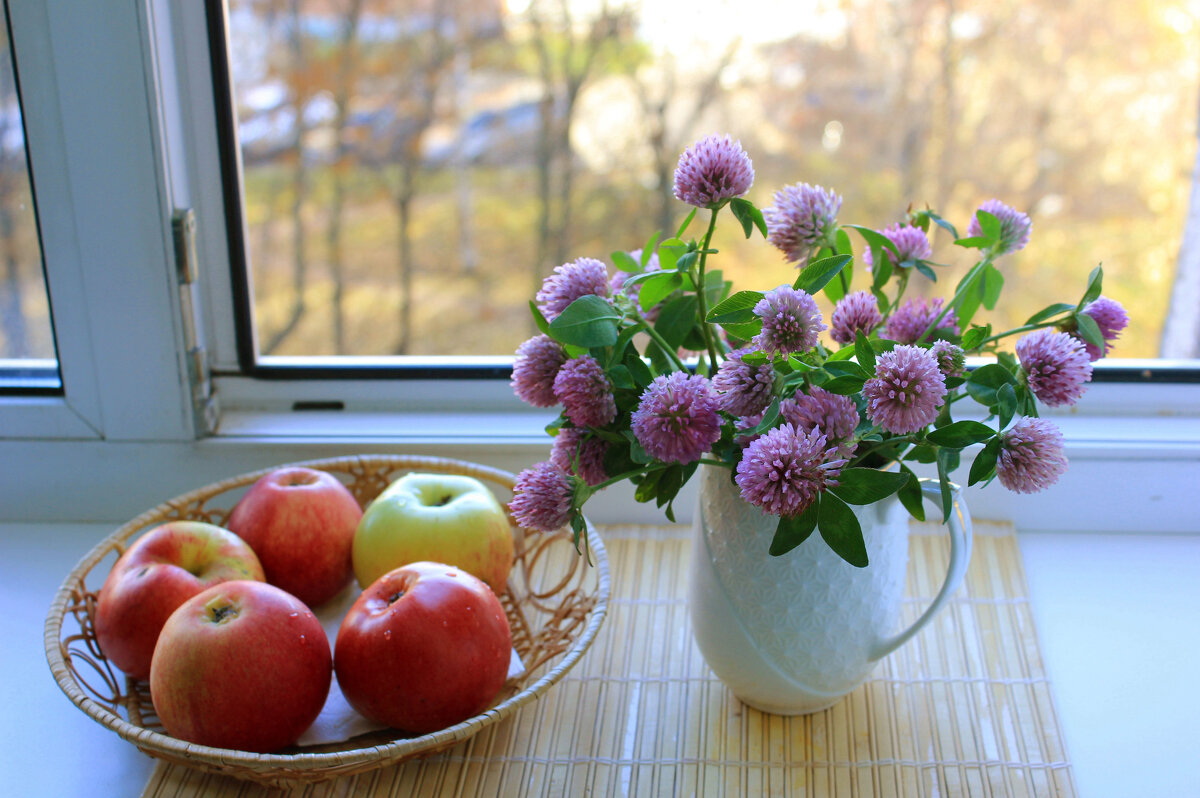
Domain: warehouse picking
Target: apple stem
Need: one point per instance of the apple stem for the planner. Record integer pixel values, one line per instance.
(221, 613)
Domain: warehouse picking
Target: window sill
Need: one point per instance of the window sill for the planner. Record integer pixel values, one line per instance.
(1119, 665)
(1134, 451)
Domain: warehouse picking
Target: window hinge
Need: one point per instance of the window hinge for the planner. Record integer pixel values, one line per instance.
(205, 409)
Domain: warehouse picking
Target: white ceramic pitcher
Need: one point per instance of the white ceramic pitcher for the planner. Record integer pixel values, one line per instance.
(794, 634)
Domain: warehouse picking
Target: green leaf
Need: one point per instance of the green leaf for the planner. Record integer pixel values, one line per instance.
(660, 359)
(770, 416)
(840, 529)
(1089, 329)
(844, 386)
(984, 381)
(883, 272)
(875, 239)
(738, 309)
(845, 353)
(975, 336)
(750, 216)
(961, 433)
(745, 331)
(842, 243)
(974, 242)
(864, 352)
(1095, 283)
(623, 341)
(817, 274)
(539, 319)
(621, 378)
(942, 223)
(989, 225)
(993, 284)
(625, 262)
(984, 465)
(677, 318)
(793, 530)
(1049, 312)
(668, 255)
(923, 268)
(715, 286)
(658, 287)
(922, 454)
(945, 464)
(847, 368)
(1006, 404)
(636, 452)
(687, 260)
(910, 495)
(589, 321)
(968, 295)
(684, 226)
(867, 485)
(638, 369)
(648, 250)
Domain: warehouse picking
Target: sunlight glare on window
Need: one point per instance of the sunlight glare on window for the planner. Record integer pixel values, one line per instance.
(412, 170)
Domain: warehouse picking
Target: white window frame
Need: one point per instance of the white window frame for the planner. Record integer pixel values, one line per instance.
(119, 109)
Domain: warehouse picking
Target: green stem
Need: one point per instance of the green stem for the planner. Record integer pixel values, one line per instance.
(646, 469)
(662, 344)
(1016, 331)
(859, 457)
(901, 287)
(721, 463)
(967, 284)
(705, 327)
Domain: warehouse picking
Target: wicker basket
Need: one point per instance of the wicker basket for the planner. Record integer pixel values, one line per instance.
(555, 603)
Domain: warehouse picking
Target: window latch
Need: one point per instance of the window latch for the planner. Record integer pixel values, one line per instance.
(205, 409)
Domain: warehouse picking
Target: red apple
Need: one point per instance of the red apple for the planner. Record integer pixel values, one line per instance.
(242, 665)
(424, 647)
(300, 522)
(162, 569)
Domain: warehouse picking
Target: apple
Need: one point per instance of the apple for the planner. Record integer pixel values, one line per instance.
(423, 647)
(241, 665)
(162, 569)
(445, 518)
(300, 522)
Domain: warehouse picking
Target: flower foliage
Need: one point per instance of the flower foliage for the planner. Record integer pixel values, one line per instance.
(659, 366)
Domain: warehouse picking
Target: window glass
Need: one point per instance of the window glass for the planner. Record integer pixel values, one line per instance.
(412, 170)
(27, 353)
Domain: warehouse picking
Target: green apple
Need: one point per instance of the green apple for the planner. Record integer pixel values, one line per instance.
(444, 518)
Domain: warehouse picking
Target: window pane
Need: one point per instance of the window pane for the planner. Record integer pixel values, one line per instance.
(27, 354)
(412, 170)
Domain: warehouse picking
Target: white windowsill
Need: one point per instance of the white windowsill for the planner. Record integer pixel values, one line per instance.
(1116, 616)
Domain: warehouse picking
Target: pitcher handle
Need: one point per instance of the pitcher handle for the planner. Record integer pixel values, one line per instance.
(959, 524)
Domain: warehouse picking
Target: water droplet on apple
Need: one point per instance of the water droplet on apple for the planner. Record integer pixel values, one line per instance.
(387, 634)
(294, 615)
(303, 640)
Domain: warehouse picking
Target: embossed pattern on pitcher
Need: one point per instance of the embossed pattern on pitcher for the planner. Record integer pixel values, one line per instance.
(810, 614)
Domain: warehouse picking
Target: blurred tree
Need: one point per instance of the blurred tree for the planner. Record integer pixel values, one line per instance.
(567, 47)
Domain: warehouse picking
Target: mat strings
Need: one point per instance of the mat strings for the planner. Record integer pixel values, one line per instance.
(964, 709)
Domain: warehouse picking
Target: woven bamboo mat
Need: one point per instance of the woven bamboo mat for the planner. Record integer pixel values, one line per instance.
(964, 709)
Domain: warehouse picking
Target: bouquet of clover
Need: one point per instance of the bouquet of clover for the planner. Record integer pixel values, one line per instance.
(659, 369)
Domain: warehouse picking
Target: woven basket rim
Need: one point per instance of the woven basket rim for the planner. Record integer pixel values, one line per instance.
(384, 753)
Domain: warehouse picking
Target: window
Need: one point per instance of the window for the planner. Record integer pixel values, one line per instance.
(28, 359)
(121, 113)
(410, 170)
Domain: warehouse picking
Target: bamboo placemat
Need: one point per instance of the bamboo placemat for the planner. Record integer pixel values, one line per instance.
(964, 709)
